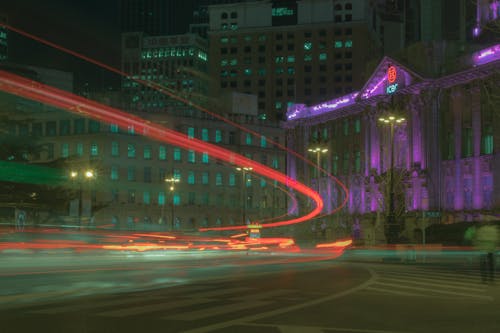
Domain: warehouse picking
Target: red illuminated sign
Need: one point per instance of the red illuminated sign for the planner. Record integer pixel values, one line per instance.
(391, 74)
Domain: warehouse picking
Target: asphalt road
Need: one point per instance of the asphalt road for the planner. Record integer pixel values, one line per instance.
(219, 292)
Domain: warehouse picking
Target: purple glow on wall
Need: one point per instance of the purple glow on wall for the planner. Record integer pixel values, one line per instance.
(486, 55)
(297, 111)
(370, 92)
(334, 104)
(476, 31)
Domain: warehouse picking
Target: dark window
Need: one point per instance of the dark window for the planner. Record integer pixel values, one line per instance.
(348, 66)
(234, 15)
(307, 69)
(307, 80)
(348, 31)
(290, 93)
(94, 126)
(262, 48)
(234, 50)
(279, 36)
(279, 47)
(337, 32)
(50, 128)
(307, 34)
(348, 6)
(337, 67)
(322, 68)
(262, 83)
(279, 93)
(64, 127)
(322, 91)
(348, 55)
(338, 7)
(338, 18)
(348, 17)
(290, 81)
(307, 92)
(322, 79)
(247, 83)
(262, 60)
(223, 16)
(338, 78)
(223, 84)
(291, 47)
(262, 94)
(37, 129)
(279, 82)
(223, 50)
(289, 35)
(233, 84)
(147, 174)
(338, 55)
(348, 78)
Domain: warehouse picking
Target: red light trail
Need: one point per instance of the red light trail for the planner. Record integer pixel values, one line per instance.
(173, 137)
(25, 88)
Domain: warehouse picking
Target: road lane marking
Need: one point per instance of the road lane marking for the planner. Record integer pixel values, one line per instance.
(173, 304)
(217, 310)
(262, 315)
(318, 329)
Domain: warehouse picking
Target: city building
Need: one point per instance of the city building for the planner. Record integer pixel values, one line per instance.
(4, 44)
(288, 51)
(436, 160)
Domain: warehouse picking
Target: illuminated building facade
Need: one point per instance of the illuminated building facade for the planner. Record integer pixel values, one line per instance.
(446, 160)
(288, 51)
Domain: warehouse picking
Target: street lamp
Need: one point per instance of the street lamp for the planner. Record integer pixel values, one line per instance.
(80, 177)
(392, 227)
(318, 151)
(172, 182)
(244, 170)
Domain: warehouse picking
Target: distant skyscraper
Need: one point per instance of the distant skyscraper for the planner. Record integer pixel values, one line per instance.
(3, 39)
(156, 17)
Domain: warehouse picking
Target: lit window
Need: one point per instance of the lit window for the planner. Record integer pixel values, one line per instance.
(131, 150)
(224, 40)
(218, 179)
(115, 148)
(357, 125)
(94, 149)
(204, 158)
(177, 199)
(190, 132)
(146, 198)
(204, 134)
(278, 105)
(307, 46)
(263, 183)
(162, 153)
(290, 70)
(204, 178)
(275, 163)
(290, 58)
(232, 179)
(223, 62)
(79, 149)
(218, 136)
(338, 44)
(348, 43)
(248, 138)
(322, 56)
(161, 198)
(131, 173)
(114, 172)
(113, 128)
(191, 178)
(64, 150)
(191, 156)
(147, 152)
(279, 59)
(307, 57)
(487, 139)
(263, 142)
(233, 62)
(177, 154)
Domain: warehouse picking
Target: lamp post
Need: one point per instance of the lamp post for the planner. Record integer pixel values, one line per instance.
(79, 176)
(244, 170)
(392, 227)
(172, 182)
(318, 151)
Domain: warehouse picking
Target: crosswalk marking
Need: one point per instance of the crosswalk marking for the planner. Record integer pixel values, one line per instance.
(217, 310)
(415, 281)
(426, 277)
(392, 291)
(446, 292)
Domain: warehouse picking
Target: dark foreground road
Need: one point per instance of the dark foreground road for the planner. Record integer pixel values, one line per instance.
(238, 293)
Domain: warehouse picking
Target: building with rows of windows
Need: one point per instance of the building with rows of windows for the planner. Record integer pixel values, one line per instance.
(130, 170)
(288, 51)
(445, 164)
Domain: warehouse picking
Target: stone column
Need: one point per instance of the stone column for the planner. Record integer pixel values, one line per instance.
(477, 192)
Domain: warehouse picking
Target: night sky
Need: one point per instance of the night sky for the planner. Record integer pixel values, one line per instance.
(90, 27)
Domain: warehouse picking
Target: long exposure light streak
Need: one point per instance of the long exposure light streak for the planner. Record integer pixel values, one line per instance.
(36, 91)
(171, 93)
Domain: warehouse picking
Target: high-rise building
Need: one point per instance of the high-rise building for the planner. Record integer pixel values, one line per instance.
(156, 17)
(4, 43)
(288, 51)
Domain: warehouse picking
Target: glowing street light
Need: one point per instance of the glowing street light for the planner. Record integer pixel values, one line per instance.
(80, 177)
(244, 180)
(392, 228)
(172, 182)
(318, 151)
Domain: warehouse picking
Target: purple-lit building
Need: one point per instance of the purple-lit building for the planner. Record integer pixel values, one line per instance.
(446, 157)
